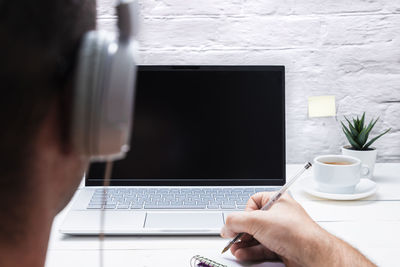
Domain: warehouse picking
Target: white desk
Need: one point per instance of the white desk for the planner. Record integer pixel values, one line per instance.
(372, 225)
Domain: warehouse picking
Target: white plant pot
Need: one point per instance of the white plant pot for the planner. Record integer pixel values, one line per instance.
(367, 157)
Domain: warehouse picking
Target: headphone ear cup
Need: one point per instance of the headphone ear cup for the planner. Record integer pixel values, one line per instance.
(88, 92)
(103, 98)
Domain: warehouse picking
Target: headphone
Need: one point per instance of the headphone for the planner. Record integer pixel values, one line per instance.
(104, 89)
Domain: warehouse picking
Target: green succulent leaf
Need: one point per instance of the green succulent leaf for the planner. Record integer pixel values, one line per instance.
(366, 146)
(357, 124)
(345, 128)
(372, 124)
(353, 130)
(362, 121)
(349, 137)
(362, 137)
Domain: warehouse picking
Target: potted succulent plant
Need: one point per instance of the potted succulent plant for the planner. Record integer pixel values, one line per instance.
(357, 134)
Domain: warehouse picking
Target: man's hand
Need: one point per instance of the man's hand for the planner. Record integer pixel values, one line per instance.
(285, 232)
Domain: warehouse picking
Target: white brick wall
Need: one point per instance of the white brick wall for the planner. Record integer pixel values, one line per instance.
(350, 49)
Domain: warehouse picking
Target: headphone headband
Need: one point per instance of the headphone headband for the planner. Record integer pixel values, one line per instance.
(127, 12)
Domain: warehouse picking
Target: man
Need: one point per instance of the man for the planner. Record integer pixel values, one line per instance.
(40, 169)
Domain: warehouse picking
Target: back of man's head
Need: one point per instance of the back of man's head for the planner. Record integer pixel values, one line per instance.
(39, 41)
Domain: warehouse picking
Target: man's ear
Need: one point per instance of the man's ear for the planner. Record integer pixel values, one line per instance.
(64, 110)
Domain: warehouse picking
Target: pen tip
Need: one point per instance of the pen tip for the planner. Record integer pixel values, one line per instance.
(225, 249)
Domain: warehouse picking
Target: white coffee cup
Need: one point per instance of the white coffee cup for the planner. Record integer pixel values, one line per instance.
(338, 173)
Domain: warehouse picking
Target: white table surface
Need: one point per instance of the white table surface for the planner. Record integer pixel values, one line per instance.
(372, 225)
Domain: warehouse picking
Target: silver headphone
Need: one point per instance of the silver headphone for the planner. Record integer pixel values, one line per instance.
(104, 89)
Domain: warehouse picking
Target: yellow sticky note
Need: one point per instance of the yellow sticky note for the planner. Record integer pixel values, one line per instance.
(321, 106)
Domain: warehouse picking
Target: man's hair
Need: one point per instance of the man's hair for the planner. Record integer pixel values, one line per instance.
(39, 41)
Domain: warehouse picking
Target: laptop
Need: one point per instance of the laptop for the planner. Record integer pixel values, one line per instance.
(204, 139)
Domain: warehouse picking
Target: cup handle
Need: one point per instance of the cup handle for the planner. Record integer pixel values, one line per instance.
(364, 170)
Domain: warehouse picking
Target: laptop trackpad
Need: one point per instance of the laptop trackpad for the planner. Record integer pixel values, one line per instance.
(184, 220)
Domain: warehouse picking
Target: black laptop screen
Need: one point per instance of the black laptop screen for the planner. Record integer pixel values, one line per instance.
(219, 125)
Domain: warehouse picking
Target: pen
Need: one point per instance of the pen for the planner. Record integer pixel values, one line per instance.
(271, 202)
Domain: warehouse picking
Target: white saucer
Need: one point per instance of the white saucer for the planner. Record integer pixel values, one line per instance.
(364, 188)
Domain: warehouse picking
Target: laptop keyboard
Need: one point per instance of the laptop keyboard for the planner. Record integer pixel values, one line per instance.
(174, 198)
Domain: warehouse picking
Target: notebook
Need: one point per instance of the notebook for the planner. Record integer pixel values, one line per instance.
(221, 261)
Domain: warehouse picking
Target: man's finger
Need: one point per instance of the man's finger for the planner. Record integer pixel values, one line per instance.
(254, 253)
(235, 223)
(258, 200)
(246, 241)
(227, 233)
(241, 222)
